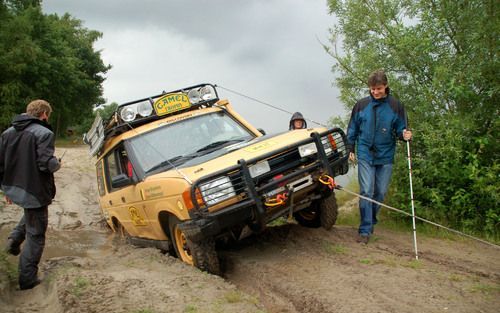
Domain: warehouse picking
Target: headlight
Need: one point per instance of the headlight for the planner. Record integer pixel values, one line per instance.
(217, 190)
(307, 149)
(128, 113)
(259, 169)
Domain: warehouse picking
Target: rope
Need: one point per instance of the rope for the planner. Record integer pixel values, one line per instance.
(418, 218)
(330, 183)
(267, 104)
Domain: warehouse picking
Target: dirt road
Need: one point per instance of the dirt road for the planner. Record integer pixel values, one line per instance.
(286, 269)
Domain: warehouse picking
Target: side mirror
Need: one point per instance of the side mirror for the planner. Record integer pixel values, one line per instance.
(263, 132)
(121, 180)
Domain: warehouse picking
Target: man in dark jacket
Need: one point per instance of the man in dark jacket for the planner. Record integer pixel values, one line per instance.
(27, 166)
(297, 121)
(376, 121)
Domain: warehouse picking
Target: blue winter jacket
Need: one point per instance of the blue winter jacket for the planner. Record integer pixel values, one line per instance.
(374, 127)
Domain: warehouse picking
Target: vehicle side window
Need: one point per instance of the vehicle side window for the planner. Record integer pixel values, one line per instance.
(111, 164)
(117, 162)
(100, 179)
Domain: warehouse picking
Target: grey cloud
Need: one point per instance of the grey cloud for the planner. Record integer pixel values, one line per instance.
(266, 49)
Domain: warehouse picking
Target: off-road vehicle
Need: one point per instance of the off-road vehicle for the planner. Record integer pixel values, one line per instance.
(181, 169)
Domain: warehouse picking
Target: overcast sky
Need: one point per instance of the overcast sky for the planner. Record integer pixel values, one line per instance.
(268, 50)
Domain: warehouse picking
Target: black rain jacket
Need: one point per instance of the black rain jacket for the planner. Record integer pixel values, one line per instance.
(27, 162)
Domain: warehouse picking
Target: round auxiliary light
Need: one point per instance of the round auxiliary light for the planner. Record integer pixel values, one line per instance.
(144, 109)
(207, 93)
(194, 96)
(128, 113)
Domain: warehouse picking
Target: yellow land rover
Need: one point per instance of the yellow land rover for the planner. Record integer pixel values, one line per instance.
(182, 169)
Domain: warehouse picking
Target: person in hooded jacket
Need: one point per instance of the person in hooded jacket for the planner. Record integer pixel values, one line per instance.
(27, 166)
(297, 121)
(376, 122)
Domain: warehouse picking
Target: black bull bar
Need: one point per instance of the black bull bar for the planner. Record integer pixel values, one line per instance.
(204, 223)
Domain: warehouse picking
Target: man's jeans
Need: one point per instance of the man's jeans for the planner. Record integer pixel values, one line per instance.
(373, 183)
(31, 227)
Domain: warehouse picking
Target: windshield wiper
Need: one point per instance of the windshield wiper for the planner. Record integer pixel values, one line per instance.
(180, 159)
(219, 144)
(172, 162)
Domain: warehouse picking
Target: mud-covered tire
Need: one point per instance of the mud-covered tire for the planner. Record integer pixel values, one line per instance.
(121, 235)
(309, 217)
(205, 256)
(328, 211)
(201, 254)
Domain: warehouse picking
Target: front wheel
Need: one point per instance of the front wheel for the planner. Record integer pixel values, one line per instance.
(328, 211)
(201, 254)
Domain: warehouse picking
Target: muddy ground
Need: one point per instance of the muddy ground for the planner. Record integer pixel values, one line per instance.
(286, 269)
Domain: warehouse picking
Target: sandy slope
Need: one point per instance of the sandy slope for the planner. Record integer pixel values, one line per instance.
(285, 269)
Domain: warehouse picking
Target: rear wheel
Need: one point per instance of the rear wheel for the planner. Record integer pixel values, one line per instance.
(121, 234)
(201, 254)
(328, 211)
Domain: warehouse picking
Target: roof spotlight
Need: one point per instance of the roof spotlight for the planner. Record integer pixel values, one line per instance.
(207, 93)
(194, 96)
(128, 113)
(144, 109)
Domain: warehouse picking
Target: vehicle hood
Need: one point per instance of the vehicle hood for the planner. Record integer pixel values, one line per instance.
(230, 155)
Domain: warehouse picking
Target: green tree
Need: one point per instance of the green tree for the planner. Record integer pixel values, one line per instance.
(442, 61)
(48, 57)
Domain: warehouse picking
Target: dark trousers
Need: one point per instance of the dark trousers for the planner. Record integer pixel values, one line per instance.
(32, 228)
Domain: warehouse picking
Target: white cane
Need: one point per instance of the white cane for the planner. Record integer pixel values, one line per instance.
(412, 201)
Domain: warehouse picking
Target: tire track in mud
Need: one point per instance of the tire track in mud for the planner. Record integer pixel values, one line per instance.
(277, 266)
(295, 269)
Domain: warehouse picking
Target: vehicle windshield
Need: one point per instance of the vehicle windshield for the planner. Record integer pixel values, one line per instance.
(174, 144)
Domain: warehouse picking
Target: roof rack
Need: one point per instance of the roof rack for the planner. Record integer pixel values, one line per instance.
(135, 113)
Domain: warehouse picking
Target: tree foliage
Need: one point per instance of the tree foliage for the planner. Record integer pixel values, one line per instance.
(442, 59)
(48, 57)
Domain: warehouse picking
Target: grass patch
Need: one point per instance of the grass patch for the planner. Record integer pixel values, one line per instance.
(485, 288)
(366, 261)
(348, 218)
(190, 308)
(233, 297)
(344, 197)
(8, 268)
(456, 278)
(414, 264)
(80, 285)
(280, 221)
(331, 248)
(394, 221)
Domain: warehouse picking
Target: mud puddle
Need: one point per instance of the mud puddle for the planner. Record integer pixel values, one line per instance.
(80, 243)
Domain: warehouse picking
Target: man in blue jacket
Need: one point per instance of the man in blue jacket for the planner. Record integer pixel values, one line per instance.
(27, 166)
(376, 122)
